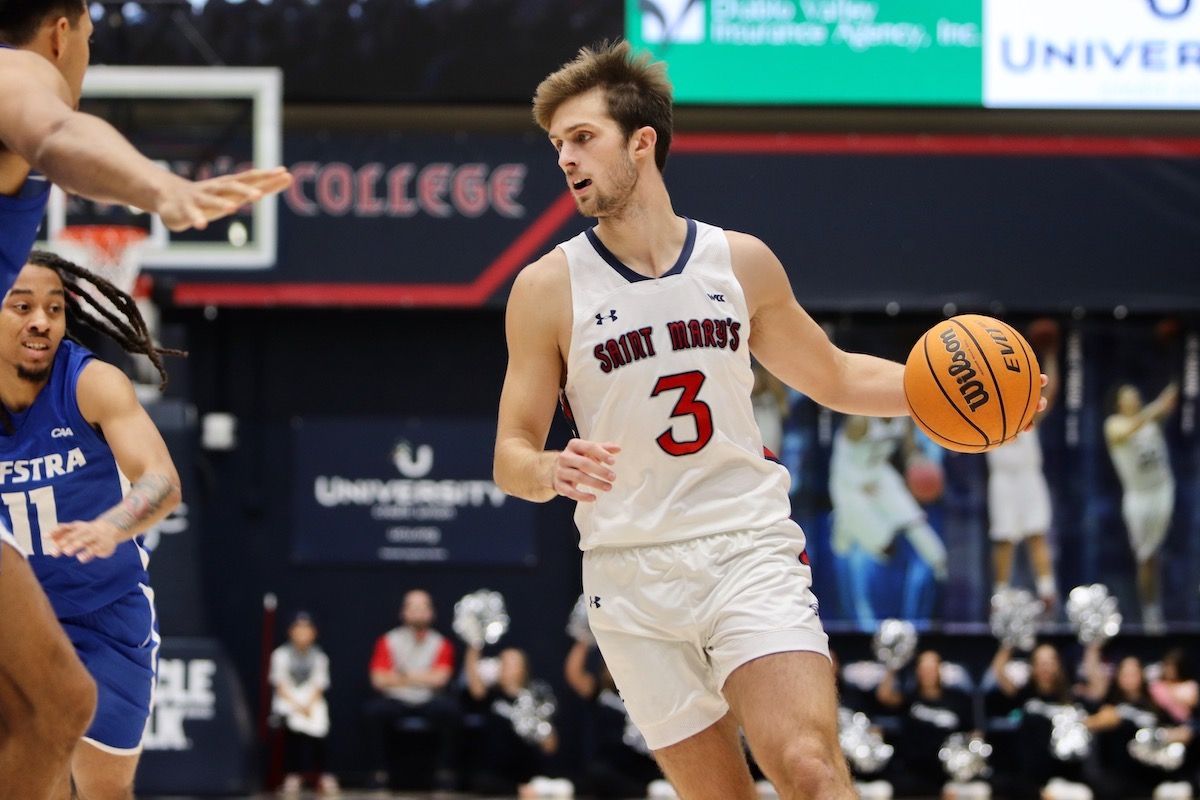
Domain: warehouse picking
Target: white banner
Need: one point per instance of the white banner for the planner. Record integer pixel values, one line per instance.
(1091, 53)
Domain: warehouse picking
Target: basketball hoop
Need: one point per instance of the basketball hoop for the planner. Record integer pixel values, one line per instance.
(113, 252)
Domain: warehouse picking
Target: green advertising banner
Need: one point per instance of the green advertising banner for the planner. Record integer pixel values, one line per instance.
(818, 52)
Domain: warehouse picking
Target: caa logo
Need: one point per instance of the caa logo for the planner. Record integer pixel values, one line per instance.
(676, 21)
(413, 462)
(61, 433)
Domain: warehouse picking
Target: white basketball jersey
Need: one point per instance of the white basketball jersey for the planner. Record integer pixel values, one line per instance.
(1142, 461)
(1022, 453)
(854, 462)
(661, 366)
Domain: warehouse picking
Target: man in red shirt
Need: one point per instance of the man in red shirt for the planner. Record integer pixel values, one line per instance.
(410, 668)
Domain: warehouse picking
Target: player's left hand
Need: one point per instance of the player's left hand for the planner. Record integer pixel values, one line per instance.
(86, 540)
(1042, 402)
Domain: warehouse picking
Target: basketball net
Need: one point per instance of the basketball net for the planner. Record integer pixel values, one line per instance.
(114, 252)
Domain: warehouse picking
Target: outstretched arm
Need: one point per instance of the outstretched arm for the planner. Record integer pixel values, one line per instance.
(576, 672)
(107, 401)
(1118, 428)
(86, 156)
(792, 346)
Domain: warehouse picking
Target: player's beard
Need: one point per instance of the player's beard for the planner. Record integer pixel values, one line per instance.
(34, 375)
(613, 203)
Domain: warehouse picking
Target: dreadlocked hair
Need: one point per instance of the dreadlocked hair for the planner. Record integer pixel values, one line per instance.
(125, 326)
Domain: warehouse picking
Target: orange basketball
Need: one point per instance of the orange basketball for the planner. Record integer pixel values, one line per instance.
(972, 383)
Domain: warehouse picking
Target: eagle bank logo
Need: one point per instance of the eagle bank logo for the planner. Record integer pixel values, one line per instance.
(672, 21)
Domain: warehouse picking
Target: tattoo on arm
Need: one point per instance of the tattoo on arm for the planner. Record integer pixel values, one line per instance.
(144, 500)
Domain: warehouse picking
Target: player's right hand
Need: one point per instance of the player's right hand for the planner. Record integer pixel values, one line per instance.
(193, 204)
(583, 469)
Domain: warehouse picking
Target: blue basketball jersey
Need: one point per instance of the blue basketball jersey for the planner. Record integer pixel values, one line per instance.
(55, 467)
(20, 217)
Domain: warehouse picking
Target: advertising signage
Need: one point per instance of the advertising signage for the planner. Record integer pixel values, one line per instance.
(991, 53)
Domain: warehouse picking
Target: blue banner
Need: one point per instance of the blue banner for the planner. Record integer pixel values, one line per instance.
(403, 491)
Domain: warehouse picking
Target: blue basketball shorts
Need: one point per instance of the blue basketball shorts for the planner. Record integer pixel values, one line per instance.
(119, 646)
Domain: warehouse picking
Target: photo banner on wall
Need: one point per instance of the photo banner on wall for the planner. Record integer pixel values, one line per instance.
(391, 491)
(1108, 480)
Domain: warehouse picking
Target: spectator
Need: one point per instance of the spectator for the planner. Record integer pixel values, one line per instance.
(410, 668)
(614, 768)
(929, 713)
(300, 676)
(1047, 688)
(508, 762)
(1122, 707)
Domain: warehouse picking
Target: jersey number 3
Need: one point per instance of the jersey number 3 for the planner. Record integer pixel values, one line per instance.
(47, 515)
(688, 405)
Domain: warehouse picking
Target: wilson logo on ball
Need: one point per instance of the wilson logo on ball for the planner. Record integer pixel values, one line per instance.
(972, 383)
(963, 373)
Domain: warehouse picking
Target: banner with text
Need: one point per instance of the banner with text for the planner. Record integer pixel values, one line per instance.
(403, 491)
(994, 53)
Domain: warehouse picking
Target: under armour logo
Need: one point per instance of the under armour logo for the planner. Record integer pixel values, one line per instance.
(720, 298)
(594, 601)
(602, 318)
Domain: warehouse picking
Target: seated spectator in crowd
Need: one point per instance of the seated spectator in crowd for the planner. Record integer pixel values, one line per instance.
(1122, 706)
(300, 675)
(410, 668)
(508, 761)
(929, 713)
(614, 768)
(1048, 687)
(1176, 691)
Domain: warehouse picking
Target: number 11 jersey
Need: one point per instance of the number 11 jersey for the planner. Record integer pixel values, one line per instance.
(661, 366)
(56, 468)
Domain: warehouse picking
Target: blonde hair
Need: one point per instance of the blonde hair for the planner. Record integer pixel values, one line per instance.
(636, 88)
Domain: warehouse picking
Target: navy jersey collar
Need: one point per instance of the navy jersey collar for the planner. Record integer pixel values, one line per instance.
(628, 274)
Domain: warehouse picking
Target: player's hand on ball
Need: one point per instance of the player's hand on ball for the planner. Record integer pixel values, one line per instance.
(583, 469)
(1041, 406)
(86, 540)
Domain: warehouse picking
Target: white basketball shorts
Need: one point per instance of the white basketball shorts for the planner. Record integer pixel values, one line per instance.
(1018, 504)
(1147, 515)
(673, 621)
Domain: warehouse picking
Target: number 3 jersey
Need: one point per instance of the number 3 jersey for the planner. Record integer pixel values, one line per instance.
(661, 366)
(56, 468)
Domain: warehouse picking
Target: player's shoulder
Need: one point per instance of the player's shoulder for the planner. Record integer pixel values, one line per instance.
(24, 68)
(544, 279)
(103, 389)
(747, 248)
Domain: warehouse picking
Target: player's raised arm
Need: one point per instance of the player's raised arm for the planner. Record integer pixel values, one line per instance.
(792, 346)
(107, 401)
(540, 298)
(85, 155)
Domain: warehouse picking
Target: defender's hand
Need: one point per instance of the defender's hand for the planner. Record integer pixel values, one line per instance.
(584, 466)
(193, 204)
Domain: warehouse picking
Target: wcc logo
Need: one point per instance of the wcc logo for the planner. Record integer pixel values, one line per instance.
(412, 462)
(672, 21)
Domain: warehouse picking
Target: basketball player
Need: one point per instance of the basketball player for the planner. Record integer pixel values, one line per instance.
(871, 504)
(43, 56)
(44, 53)
(1019, 500)
(1139, 454)
(84, 472)
(698, 583)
